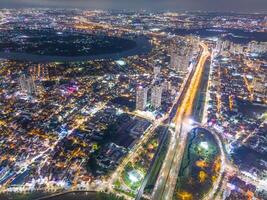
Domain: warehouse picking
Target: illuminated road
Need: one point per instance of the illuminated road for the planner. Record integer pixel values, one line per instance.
(134, 152)
(166, 182)
(225, 164)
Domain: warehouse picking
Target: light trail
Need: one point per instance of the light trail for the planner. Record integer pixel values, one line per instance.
(166, 183)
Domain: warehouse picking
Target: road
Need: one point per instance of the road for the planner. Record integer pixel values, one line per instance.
(134, 152)
(167, 118)
(225, 163)
(166, 183)
(163, 139)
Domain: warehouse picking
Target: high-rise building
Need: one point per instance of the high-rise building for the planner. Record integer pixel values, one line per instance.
(141, 98)
(174, 62)
(39, 72)
(257, 47)
(219, 45)
(259, 86)
(236, 48)
(156, 70)
(156, 95)
(166, 85)
(223, 45)
(180, 54)
(27, 84)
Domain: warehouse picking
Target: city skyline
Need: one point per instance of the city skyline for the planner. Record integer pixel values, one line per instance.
(239, 6)
(130, 105)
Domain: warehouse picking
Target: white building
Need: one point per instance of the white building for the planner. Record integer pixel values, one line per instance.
(156, 95)
(27, 85)
(180, 56)
(156, 71)
(141, 98)
(257, 47)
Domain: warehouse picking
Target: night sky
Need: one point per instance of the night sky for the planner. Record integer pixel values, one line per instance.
(205, 5)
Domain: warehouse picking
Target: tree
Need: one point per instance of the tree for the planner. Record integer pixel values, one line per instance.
(108, 196)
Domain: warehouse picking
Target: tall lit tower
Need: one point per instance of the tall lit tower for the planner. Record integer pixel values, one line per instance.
(174, 62)
(156, 70)
(156, 94)
(141, 98)
(180, 54)
(27, 84)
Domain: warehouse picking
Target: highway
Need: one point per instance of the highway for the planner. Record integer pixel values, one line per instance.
(166, 183)
(163, 139)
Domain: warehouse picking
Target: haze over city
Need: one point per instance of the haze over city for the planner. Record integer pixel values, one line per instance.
(202, 5)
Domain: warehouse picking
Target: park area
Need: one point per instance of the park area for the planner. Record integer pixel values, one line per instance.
(200, 166)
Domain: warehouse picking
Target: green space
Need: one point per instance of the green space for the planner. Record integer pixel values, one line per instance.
(157, 166)
(134, 172)
(51, 43)
(200, 166)
(132, 177)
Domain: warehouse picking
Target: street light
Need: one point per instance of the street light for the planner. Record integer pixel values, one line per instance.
(191, 122)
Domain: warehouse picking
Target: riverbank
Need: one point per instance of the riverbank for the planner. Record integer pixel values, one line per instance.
(142, 47)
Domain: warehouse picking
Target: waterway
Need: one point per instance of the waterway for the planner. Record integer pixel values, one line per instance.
(79, 195)
(235, 35)
(142, 46)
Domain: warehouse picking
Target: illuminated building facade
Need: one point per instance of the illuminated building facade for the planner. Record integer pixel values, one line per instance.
(27, 85)
(141, 98)
(156, 95)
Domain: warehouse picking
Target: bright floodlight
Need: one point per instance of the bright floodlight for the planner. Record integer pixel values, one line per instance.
(172, 125)
(204, 145)
(121, 62)
(134, 176)
(191, 121)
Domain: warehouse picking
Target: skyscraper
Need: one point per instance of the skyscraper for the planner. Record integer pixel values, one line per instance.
(174, 62)
(257, 47)
(180, 53)
(156, 70)
(259, 86)
(156, 94)
(141, 98)
(39, 72)
(27, 84)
